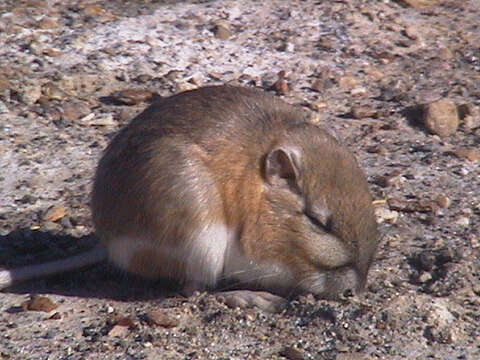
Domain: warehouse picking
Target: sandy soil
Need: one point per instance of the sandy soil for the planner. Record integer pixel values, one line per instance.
(73, 72)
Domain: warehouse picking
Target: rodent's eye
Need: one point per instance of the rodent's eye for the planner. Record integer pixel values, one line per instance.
(325, 223)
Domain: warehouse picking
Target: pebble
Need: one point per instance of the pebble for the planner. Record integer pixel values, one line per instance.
(441, 117)
(319, 85)
(118, 331)
(182, 86)
(468, 153)
(357, 91)
(162, 318)
(48, 22)
(353, 356)
(97, 12)
(222, 31)
(363, 111)
(408, 206)
(374, 73)
(445, 53)
(4, 83)
(39, 303)
(318, 105)
(443, 201)
(52, 91)
(31, 94)
(55, 213)
(463, 221)
(102, 120)
(74, 111)
(418, 3)
(291, 353)
(424, 277)
(87, 118)
(347, 82)
(440, 320)
(411, 32)
(3, 108)
(386, 215)
(475, 243)
(133, 96)
(281, 86)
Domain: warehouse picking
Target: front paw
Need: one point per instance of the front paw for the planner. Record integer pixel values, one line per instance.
(247, 298)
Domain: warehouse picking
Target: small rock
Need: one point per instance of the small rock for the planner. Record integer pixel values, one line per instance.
(51, 52)
(443, 201)
(87, 118)
(347, 82)
(475, 243)
(470, 116)
(55, 316)
(182, 86)
(353, 356)
(50, 226)
(4, 83)
(441, 321)
(318, 105)
(97, 12)
(3, 108)
(55, 213)
(286, 46)
(39, 303)
(385, 215)
(417, 3)
(196, 80)
(53, 92)
(162, 318)
(74, 111)
(408, 206)
(215, 75)
(133, 96)
(31, 94)
(363, 111)
(281, 86)
(468, 153)
(319, 85)
(424, 277)
(358, 91)
(48, 22)
(445, 53)
(376, 149)
(101, 120)
(375, 74)
(411, 32)
(476, 289)
(291, 353)
(118, 331)
(441, 117)
(463, 221)
(385, 57)
(382, 181)
(222, 30)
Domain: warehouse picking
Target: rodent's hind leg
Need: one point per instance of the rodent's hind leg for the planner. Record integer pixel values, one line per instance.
(247, 298)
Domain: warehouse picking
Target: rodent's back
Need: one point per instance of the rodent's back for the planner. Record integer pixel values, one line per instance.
(226, 182)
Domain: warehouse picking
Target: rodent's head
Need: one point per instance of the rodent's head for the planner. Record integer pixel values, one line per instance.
(317, 220)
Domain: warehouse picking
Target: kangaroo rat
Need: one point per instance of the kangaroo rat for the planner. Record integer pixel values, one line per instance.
(229, 184)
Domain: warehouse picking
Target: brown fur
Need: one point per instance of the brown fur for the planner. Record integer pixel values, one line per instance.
(237, 159)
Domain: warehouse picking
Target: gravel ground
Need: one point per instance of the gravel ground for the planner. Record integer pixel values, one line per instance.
(397, 81)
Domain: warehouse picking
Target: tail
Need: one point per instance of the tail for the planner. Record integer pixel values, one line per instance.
(29, 272)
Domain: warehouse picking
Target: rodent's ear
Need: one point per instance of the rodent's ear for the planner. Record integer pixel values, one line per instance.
(282, 168)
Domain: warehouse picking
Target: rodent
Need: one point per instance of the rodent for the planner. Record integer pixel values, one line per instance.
(230, 184)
